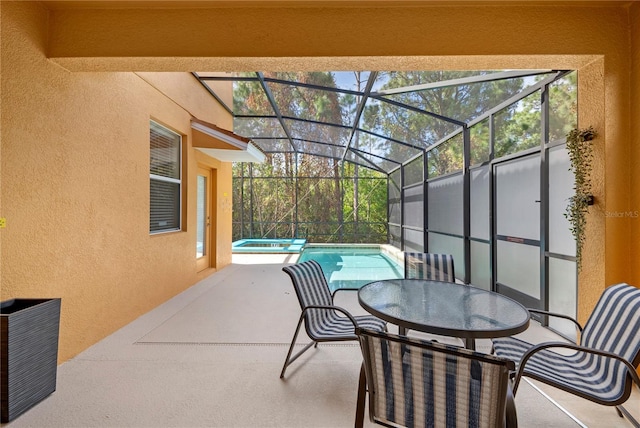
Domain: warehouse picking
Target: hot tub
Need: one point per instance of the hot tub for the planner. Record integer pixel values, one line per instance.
(268, 245)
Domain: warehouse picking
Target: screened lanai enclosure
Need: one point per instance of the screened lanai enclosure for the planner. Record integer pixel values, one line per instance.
(470, 163)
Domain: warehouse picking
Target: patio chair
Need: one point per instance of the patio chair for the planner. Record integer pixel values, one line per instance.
(603, 367)
(416, 383)
(322, 319)
(438, 267)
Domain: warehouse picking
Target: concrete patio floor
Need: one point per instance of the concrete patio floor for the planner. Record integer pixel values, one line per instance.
(211, 357)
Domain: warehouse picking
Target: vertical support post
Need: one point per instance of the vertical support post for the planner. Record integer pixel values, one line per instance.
(242, 200)
(251, 201)
(402, 208)
(295, 183)
(466, 202)
(341, 216)
(493, 242)
(544, 200)
(425, 201)
(388, 209)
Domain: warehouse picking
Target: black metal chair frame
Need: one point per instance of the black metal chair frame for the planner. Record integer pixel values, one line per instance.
(314, 339)
(631, 366)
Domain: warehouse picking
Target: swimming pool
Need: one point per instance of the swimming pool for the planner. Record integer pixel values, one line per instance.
(268, 245)
(352, 266)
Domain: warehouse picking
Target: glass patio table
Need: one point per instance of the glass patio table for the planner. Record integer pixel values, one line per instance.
(444, 308)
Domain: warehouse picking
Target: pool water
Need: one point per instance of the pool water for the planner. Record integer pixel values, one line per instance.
(352, 267)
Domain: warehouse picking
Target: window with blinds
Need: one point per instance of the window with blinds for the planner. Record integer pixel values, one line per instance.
(165, 179)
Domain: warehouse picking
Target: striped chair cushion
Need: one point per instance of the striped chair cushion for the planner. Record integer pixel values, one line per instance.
(614, 326)
(312, 289)
(438, 267)
(425, 384)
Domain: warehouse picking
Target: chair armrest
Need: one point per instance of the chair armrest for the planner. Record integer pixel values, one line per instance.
(557, 315)
(342, 289)
(536, 348)
(334, 308)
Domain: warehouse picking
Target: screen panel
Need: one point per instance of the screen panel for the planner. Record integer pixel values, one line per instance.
(480, 202)
(445, 205)
(518, 197)
(414, 206)
(519, 267)
(413, 240)
(395, 236)
(395, 192)
(480, 265)
(561, 240)
(563, 290)
(414, 171)
(448, 245)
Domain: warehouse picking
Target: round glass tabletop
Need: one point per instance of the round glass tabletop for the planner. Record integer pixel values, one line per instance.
(444, 308)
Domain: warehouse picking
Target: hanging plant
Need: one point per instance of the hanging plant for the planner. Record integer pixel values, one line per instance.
(580, 151)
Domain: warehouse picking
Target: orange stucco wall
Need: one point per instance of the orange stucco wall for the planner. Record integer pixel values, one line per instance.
(75, 185)
(65, 162)
(634, 206)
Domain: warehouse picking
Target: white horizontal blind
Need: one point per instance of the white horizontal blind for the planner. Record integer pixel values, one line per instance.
(165, 179)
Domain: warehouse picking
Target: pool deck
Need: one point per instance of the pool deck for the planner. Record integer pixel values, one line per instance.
(211, 357)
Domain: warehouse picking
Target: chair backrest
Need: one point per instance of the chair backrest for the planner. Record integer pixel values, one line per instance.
(312, 289)
(614, 324)
(425, 384)
(438, 267)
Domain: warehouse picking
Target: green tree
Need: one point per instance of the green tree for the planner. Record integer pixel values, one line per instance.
(318, 195)
(459, 102)
(518, 127)
(563, 106)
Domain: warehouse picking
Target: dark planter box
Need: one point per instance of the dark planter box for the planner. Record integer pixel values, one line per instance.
(28, 353)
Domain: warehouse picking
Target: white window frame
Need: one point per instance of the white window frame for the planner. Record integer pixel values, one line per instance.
(164, 179)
